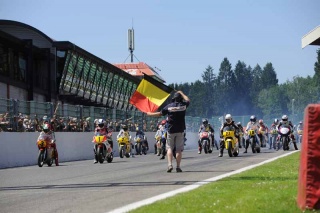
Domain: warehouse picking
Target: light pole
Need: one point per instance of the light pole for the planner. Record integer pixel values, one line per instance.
(293, 110)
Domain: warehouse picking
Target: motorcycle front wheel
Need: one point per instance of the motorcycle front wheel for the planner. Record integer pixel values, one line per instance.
(100, 155)
(40, 158)
(230, 149)
(121, 151)
(253, 145)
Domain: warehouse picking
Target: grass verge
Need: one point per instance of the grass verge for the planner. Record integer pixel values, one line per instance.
(268, 188)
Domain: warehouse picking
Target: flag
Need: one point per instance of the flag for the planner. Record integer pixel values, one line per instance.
(150, 94)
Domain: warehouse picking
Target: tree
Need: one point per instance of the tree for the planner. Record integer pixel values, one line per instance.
(243, 82)
(226, 82)
(209, 83)
(268, 76)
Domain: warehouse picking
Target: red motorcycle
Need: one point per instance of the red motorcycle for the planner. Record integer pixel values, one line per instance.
(46, 152)
(205, 142)
(103, 148)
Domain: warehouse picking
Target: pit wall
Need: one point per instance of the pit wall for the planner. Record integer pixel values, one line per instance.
(20, 149)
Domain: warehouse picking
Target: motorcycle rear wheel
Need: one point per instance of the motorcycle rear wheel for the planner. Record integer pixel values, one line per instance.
(109, 157)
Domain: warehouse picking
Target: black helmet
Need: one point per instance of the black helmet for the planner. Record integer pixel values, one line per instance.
(253, 118)
(125, 127)
(205, 121)
(177, 97)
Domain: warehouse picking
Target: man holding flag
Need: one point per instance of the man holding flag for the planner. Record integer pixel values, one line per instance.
(175, 111)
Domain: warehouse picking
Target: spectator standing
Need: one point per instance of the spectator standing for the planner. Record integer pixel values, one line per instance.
(175, 112)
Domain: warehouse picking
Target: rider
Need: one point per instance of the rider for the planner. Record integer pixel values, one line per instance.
(299, 130)
(48, 135)
(159, 134)
(240, 131)
(263, 128)
(101, 129)
(273, 134)
(286, 123)
(254, 125)
(123, 130)
(229, 122)
(300, 126)
(162, 133)
(140, 133)
(206, 127)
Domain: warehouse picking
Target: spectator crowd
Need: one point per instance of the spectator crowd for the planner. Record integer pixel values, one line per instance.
(27, 123)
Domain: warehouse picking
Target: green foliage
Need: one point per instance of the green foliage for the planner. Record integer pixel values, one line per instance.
(268, 188)
(246, 91)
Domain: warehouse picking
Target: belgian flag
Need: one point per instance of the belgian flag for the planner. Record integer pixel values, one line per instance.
(150, 94)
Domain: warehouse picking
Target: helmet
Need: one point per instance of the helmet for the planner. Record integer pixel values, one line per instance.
(46, 128)
(205, 121)
(260, 121)
(239, 124)
(276, 120)
(125, 127)
(284, 118)
(228, 118)
(101, 123)
(177, 97)
(163, 122)
(253, 118)
(300, 122)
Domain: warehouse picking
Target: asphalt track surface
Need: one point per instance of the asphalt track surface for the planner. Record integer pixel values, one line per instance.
(81, 186)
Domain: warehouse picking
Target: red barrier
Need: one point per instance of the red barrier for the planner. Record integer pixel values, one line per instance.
(309, 171)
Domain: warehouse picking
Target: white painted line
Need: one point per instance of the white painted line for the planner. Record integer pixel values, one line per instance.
(148, 201)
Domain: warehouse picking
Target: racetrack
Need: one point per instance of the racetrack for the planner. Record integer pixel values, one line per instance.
(82, 186)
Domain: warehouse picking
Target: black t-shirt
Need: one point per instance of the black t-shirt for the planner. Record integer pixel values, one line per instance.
(176, 112)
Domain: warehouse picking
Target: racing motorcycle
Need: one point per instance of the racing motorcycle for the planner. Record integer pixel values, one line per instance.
(124, 145)
(255, 147)
(285, 132)
(230, 142)
(46, 153)
(140, 144)
(205, 142)
(103, 148)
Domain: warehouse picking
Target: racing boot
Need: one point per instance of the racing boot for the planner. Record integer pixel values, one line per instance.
(221, 152)
(221, 148)
(246, 148)
(199, 149)
(56, 157)
(295, 144)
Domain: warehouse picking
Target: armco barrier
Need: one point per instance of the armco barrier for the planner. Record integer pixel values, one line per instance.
(309, 172)
(20, 149)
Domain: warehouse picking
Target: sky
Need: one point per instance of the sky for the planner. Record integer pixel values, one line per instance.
(181, 38)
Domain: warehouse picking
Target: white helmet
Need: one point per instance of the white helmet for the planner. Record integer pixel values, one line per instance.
(284, 118)
(228, 118)
(101, 123)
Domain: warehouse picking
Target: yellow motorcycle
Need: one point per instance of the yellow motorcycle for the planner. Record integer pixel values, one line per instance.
(124, 145)
(253, 141)
(230, 142)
